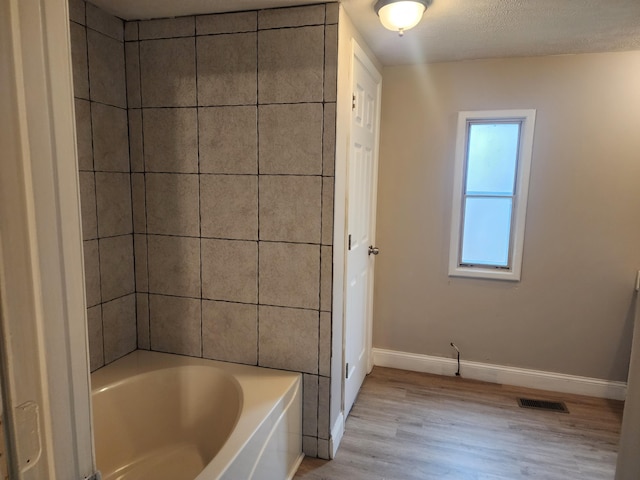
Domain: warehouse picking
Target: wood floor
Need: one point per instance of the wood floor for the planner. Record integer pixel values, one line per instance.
(413, 426)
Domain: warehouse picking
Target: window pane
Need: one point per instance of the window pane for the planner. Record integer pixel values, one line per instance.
(486, 231)
(492, 155)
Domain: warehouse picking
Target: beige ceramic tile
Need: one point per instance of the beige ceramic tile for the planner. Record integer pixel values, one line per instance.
(229, 206)
(132, 57)
(327, 210)
(105, 23)
(88, 205)
(92, 272)
(113, 197)
(83, 134)
(290, 208)
(326, 278)
(230, 270)
(168, 72)
(226, 23)
(106, 70)
(116, 267)
(323, 449)
(330, 63)
(324, 348)
(228, 139)
(324, 402)
(288, 339)
(310, 405)
(167, 28)
(291, 17)
(94, 331)
(135, 140)
(289, 274)
(77, 11)
(310, 446)
(230, 332)
(110, 138)
(142, 320)
(170, 140)
(79, 60)
(139, 204)
(119, 327)
(175, 325)
(131, 31)
(140, 256)
(333, 10)
(174, 265)
(172, 204)
(290, 139)
(290, 65)
(142, 317)
(329, 139)
(227, 69)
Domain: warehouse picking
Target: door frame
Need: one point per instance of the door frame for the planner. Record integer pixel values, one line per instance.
(357, 52)
(43, 314)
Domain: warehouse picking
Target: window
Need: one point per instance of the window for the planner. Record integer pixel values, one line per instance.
(493, 158)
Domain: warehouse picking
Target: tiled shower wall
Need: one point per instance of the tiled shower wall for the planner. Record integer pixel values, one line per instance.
(97, 47)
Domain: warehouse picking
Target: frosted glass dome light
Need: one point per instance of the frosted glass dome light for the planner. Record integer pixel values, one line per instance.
(401, 15)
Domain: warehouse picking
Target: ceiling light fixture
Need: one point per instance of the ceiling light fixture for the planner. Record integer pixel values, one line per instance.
(401, 15)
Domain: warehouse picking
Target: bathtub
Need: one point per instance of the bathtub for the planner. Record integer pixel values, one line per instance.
(168, 417)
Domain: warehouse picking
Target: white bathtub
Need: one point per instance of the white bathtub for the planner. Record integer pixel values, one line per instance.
(168, 417)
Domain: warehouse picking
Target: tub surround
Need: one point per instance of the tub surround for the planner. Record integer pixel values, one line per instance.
(227, 188)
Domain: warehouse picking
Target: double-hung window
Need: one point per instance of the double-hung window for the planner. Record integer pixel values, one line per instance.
(493, 158)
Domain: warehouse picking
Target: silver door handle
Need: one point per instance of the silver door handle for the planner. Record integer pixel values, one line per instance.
(373, 250)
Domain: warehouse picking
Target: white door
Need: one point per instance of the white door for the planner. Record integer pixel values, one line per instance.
(361, 201)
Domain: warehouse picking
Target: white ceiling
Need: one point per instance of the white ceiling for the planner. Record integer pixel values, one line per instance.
(454, 29)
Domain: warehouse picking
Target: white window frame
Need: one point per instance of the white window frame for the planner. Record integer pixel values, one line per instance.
(523, 167)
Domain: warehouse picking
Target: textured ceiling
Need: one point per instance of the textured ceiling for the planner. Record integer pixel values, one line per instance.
(454, 29)
(472, 29)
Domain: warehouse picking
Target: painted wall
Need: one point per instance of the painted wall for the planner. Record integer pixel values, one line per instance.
(232, 127)
(572, 312)
(97, 50)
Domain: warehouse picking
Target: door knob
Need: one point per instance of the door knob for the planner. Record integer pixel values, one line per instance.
(373, 250)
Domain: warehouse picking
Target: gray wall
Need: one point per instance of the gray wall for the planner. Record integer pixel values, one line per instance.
(572, 312)
(103, 160)
(232, 126)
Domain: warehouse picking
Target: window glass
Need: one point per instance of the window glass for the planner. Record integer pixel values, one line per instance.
(492, 158)
(486, 231)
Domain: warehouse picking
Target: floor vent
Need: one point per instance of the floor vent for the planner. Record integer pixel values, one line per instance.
(543, 405)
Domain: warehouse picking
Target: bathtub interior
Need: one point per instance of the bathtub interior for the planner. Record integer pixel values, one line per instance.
(164, 426)
(169, 417)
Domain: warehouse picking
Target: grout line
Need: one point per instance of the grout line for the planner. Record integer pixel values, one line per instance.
(195, 54)
(258, 191)
(131, 187)
(144, 189)
(226, 105)
(242, 32)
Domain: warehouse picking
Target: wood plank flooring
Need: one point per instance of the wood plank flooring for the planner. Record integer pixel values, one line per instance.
(414, 426)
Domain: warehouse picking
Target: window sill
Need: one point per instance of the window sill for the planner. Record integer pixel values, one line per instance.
(488, 273)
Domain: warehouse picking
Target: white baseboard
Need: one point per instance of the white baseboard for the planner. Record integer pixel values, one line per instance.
(337, 431)
(521, 377)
